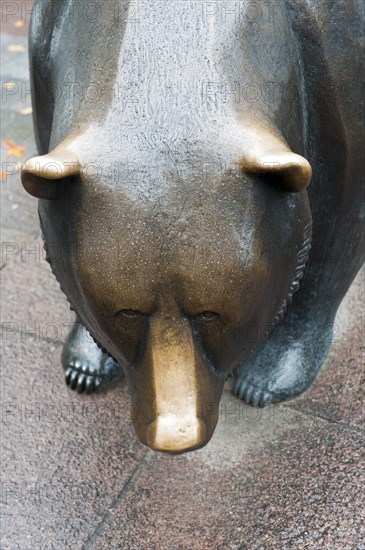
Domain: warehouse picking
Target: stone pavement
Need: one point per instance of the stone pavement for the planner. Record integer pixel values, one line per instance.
(74, 475)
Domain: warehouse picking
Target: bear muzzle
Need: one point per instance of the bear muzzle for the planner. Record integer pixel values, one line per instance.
(175, 395)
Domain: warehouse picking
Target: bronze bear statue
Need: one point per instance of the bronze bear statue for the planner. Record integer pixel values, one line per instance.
(176, 142)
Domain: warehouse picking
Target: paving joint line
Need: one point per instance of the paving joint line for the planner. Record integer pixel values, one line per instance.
(329, 420)
(126, 488)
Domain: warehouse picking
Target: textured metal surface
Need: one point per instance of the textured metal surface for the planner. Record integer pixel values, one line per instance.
(171, 268)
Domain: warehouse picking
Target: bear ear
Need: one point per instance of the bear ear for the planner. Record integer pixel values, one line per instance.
(42, 176)
(268, 154)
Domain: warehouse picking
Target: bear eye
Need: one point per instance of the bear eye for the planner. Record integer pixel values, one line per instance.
(207, 316)
(131, 314)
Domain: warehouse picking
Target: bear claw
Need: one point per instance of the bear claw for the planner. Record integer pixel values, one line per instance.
(251, 395)
(80, 377)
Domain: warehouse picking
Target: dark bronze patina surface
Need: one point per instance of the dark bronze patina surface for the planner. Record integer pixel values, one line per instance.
(175, 212)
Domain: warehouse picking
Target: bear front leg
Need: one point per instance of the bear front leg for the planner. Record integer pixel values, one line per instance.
(288, 362)
(86, 367)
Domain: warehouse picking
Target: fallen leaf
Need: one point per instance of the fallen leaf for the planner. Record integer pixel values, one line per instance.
(13, 149)
(9, 85)
(8, 143)
(26, 111)
(17, 151)
(19, 23)
(16, 48)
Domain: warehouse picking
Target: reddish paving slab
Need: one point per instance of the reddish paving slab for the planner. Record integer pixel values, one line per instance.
(65, 457)
(305, 490)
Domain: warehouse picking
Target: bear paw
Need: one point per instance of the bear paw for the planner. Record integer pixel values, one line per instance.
(86, 367)
(278, 372)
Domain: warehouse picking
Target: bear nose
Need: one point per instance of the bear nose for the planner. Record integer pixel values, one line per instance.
(173, 434)
(175, 395)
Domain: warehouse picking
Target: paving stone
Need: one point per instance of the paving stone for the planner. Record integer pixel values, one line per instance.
(303, 489)
(65, 457)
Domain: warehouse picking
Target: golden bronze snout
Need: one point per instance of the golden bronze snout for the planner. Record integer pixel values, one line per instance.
(175, 397)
